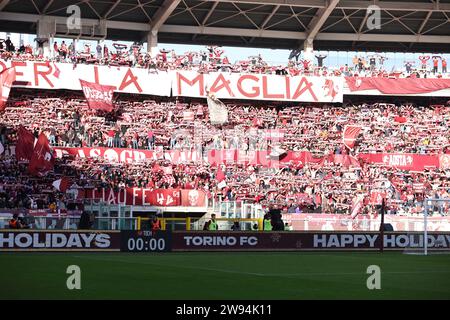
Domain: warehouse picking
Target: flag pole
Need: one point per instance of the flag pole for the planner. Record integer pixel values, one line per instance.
(383, 209)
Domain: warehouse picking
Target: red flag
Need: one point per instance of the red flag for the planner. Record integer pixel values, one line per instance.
(220, 175)
(98, 96)
(350, 134)
(25, 144)
(397, 86)
(7, 77)
(42, 160)
(62, 184)
(400, 119)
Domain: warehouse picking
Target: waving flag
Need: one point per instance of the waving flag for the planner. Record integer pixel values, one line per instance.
(350, 134)
(62, 184)
(98, 96)
(357, 206)
(218, 113)
(7, 77)
(277, 153)
(25, 144)
(42, 160)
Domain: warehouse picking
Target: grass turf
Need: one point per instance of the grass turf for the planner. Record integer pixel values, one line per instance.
(224, 276)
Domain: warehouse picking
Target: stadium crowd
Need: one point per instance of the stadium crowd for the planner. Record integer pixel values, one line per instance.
(167, 125)
(214, 58)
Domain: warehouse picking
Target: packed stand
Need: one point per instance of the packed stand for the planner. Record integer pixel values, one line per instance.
(169, 125)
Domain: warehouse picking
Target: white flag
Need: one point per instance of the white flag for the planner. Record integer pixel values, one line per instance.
(221, 184)
(218, 113)
(277, 152)
(2, 149)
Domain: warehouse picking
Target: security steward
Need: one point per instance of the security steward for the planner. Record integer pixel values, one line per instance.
(14, 223)
(267, 223)
(213, 223)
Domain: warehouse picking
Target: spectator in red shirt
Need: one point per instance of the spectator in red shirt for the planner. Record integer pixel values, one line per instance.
(110, 142)
(435, 65)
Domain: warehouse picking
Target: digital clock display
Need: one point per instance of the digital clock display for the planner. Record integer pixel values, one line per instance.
(146, 241)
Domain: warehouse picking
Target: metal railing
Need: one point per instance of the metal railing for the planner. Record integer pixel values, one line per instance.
(189, 223)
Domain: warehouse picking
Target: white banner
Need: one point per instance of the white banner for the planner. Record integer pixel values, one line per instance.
(51, 75)
(257, 86)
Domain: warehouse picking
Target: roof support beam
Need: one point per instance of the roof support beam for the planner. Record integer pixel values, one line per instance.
(210, 13)
(3, 4)
(44, 10)
(107, 13)
(292, 3)
(424, 22)
(319, 19)
(352, 4)
(267, 19)
(163, 13)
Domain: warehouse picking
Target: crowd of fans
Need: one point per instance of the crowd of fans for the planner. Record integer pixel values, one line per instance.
(171, 125)
(214, 58)
(155, 125)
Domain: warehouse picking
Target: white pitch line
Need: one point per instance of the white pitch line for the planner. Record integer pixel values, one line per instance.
(261, 274)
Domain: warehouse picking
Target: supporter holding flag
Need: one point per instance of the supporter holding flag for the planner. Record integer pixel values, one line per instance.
(357, 205)
(98, 96)
(25, 144)
(42, 160)
(350, 134)
(7, 77)
(218, 113)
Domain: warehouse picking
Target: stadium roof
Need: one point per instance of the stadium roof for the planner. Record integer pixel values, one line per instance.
(413, 25)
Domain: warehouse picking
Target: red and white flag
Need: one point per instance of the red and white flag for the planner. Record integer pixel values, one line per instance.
(98, 96)
(356, 207)
(349, 135)
(7, 77)
(62, 184)
(25, 144)
(276, 152)
(376, 198)
(42, 160)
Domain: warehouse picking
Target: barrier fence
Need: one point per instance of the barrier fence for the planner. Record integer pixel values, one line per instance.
(164, 241)
(135, 223)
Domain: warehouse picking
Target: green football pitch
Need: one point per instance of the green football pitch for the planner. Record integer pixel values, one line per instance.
(224, 276)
